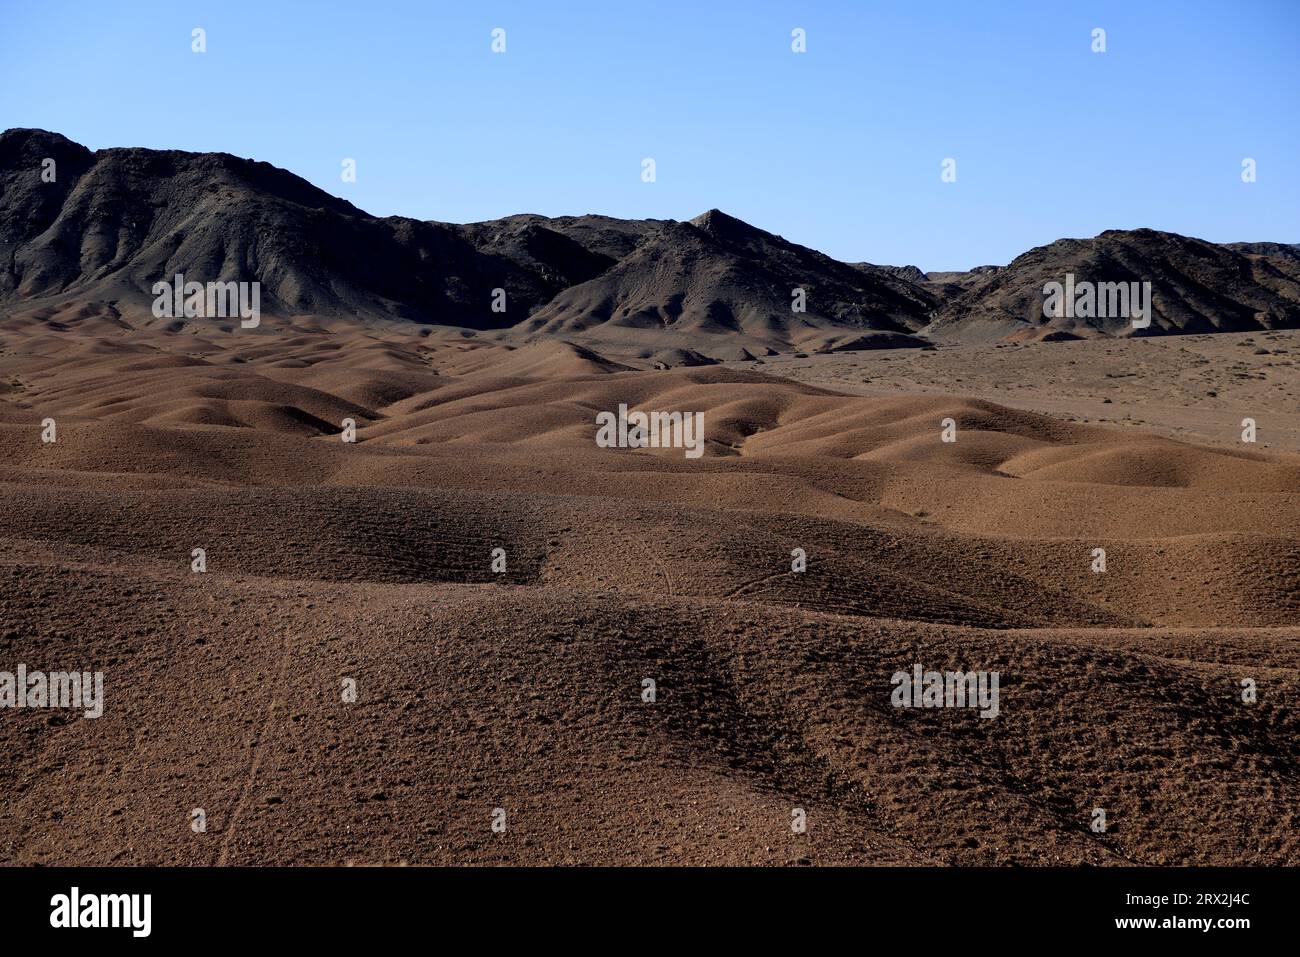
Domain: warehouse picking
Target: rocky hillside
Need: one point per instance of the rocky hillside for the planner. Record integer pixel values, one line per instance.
(111, 223)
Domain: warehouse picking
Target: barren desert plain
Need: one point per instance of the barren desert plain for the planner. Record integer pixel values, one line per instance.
(932, 569)
(481, 695)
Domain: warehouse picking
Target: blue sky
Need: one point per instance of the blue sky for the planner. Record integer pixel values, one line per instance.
(838, 148)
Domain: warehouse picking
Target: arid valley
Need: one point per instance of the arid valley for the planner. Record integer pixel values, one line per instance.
(522, 688)
(585, 540)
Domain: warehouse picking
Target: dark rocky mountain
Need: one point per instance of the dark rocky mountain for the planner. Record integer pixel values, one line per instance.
(910, 273)
(966, 277)
(1276, 250)
(115, 221)
(717, 276)
(603, 235)
(1196, 286)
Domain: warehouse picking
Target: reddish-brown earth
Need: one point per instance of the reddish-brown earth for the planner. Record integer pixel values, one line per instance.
(522, 690)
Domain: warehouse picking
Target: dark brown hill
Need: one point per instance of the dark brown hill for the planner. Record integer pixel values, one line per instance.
(1196, 286)
(717, 276)
(116, 221)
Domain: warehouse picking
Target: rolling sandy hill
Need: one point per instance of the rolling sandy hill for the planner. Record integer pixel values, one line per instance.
(1194, 388)
(862, 503)
(522, 688)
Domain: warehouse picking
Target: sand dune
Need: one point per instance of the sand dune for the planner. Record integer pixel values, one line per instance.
(760, 710)
(521, 688)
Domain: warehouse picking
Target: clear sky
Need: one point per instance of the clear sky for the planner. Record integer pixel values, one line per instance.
(838, 148)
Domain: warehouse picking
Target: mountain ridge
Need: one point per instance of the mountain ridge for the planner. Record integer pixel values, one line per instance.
(115, 221)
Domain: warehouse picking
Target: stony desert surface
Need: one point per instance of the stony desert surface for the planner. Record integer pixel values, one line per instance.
(1194, 388)
(369, 565)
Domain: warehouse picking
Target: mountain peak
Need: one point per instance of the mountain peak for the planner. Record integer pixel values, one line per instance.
(25, 146)
(717, 223)
(113, 221)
